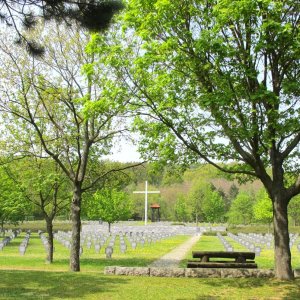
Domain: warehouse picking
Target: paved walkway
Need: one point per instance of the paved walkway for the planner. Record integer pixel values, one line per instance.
(173, 258)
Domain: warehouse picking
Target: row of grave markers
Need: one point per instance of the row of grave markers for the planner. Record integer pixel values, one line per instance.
(100, 239)
(252, 240)
(24, 244)
(242, 240)
(228, 247)
(11, 234)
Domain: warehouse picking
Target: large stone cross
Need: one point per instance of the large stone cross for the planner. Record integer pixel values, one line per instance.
(146, 192)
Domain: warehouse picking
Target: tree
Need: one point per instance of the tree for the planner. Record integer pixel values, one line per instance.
(45, 99)
(294, 209)
(181, 209)
(217, 81)
(195, 199)
(24, 14)
(262, 208)
(233, 192)
(213, 206)
(110, 205)
(241, 209)
(13, 208)
(42, 183)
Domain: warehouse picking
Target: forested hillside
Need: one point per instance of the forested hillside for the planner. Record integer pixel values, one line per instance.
(201, 193)
(197, 194)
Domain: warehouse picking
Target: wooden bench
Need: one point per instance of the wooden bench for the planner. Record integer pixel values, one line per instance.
(239, 260)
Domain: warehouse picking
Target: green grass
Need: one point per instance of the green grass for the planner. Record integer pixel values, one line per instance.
(264, 261)
(29, 277)
(35, 255)
(64, 285)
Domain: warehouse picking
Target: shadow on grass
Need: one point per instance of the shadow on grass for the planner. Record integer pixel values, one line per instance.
(100, 263)
(292, 288)
(50, 285)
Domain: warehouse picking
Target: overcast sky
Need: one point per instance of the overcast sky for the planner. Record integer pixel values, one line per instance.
(125, 152)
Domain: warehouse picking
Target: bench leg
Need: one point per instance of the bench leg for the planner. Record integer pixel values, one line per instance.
(240, 259)
(205, 258)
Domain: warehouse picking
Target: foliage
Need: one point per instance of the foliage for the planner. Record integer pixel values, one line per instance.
(241, 210)
(13, 207)
(44, 103)
(216, 81)
(196, 198)
(181, 209)
(213, 207)
(42, 184)
(294, 209)
(233, 192)
(109, 205)
(262, 209)
(205, 202)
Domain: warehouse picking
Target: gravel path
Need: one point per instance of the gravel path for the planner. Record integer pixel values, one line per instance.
(173, 258)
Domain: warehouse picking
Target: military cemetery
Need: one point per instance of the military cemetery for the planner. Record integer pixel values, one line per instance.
(149, 149)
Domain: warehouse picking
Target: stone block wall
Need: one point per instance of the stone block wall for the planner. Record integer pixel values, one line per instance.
(192, 272)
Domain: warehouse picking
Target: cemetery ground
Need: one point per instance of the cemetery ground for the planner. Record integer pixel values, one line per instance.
(29, 277)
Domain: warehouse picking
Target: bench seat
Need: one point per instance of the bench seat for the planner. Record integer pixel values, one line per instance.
(213, 264)
(237, 260)
(223, 254)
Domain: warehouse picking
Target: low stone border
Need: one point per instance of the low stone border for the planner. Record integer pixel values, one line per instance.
(193, 272)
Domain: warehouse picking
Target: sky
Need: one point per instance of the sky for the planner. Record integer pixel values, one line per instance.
(125, 152)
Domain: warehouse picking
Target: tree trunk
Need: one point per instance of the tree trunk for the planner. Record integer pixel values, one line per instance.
(283, 267)
(76, 227)
(49, 224)
(109, 224)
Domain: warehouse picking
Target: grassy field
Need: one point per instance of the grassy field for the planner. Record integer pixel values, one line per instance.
(29, 277)
(34, 258)
(92, 285)
(264, 261)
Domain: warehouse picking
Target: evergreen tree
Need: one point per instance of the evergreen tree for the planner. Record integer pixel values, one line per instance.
(94, 15)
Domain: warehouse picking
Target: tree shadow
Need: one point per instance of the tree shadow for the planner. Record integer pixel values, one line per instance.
(100, 263)
(50, 285)
(292, 288)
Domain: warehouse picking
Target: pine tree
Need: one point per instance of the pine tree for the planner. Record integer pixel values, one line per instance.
(20, 15)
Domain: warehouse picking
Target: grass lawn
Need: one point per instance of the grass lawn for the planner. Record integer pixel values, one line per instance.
(29, 277)
(85, 285)
(264, 261)
(34, 258)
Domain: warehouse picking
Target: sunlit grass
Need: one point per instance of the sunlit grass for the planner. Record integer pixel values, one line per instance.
(35, 256)
(264, 261)
(30, 277)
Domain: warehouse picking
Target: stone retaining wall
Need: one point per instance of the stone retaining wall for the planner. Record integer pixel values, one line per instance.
(192, 272)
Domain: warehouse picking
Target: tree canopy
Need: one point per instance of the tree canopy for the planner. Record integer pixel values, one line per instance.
(13, 207)
(262, 209)
(109, 205)
(241, 210)
(43, 104)
(216, 81)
